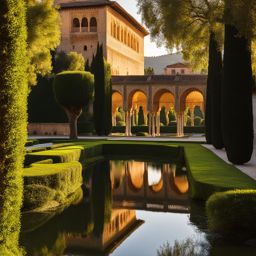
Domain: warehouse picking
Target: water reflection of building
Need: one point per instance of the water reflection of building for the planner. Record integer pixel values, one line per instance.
(153, 187)
(123, 222)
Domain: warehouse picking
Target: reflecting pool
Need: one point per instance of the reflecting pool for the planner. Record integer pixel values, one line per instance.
(125, 208)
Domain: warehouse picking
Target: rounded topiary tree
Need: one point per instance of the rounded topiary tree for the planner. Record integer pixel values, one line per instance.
(73, 90)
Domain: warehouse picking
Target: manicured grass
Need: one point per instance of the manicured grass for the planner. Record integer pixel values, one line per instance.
(232, 212)
(209, 174)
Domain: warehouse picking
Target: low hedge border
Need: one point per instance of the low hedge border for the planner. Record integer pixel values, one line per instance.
(50, 182)
(232, 212)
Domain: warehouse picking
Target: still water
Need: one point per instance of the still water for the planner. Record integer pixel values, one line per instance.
(125, 208)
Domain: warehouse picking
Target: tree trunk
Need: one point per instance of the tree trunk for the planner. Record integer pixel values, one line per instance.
(237, 117)
(73, 116)
(214, 83)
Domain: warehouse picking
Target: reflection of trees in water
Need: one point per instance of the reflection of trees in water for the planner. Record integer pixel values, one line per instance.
(83, 219)
(101, 196)
(187, 247)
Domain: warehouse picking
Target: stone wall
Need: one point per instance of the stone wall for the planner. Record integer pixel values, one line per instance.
(61, 129)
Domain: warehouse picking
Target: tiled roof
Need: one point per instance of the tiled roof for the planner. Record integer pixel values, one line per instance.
(114, 5)
(178, 65)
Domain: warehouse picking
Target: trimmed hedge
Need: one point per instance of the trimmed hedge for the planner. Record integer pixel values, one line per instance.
(63, 178)
(232, 211)
(60, 155)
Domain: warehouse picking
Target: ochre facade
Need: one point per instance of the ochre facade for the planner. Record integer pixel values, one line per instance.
(84, 25)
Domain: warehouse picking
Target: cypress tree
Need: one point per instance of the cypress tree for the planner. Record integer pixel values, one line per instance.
(214, 84)
(163, 118)
(102, 106)
(87, 66)
(237, 117)
(141, 119)
(13, 121)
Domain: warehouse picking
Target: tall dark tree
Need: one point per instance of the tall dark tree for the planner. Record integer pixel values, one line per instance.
(237, 117)
(102, 107)
(13, 125)
(214, 86)
(141, 118)
(163, 118)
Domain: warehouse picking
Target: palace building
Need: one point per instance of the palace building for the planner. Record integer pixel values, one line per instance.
(85, 23)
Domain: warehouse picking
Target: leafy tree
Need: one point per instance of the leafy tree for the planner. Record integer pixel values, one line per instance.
(149, 71)
(102, 107)
(43, 36)
(72, 61)
(73, 90)
(194, 28)
(141, 118)
(13, 125)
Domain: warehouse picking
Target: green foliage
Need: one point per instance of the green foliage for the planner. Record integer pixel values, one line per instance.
(188, 247)
(43, 36)
(103, 94)
(149, 71)
(42, 105)
(232, 211)
(163, 118)
(237, 87)
(13, 126)
(36, 195)
(209, 174)
(189, 29)
(141, 118)
(60, 155)
(197, 121)
(72, 61)
(63, 178)
(73, 89)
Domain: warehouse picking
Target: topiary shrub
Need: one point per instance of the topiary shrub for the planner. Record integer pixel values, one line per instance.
(163, 118)
(142, 134)
(232, 211)
(120, 123)
(36, 195)
(73, 90)
(197, 121)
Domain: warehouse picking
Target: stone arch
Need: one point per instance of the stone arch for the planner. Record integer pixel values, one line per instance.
(163, 98)
(76, 25)
(85, 24)
(136, 175)
(93, 24)
(122, 34)
(129, 40)
(117, 101)
(115, 30)
(138, 98)
(191, 98)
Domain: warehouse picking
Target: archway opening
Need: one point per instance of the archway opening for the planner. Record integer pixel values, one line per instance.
(138, 106)
(164, 103)
(93, 25)
(194, 109)
(117, 109)
(84, 25)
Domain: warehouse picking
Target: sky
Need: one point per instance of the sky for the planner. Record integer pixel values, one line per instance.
(150, 47)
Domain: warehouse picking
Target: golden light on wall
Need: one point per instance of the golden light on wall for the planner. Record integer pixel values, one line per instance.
(139, 99)
(117, 101)
(193, 99)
